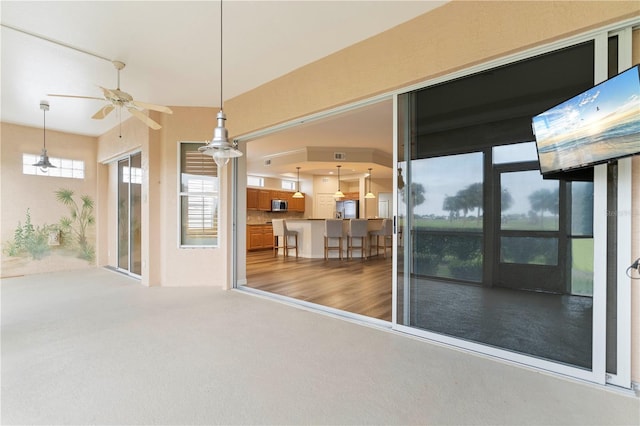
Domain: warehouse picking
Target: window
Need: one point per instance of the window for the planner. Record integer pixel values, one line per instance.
(198, 198)
(64, 167)
(132, 175)
(255, 181)
(289, 185)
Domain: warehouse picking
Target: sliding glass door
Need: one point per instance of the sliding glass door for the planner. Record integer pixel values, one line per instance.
(130, 214)
(492, 256)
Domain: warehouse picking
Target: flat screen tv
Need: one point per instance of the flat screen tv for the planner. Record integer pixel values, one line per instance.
(598, 125)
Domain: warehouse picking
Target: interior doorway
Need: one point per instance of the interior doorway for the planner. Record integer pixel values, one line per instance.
(358, 286)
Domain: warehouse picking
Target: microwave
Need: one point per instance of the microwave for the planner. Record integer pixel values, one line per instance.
(279, 205)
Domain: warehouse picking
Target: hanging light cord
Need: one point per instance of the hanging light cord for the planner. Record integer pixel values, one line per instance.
(44, 129)
(220, 55)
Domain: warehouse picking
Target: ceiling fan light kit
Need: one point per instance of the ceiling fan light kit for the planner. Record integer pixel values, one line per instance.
(44, 162)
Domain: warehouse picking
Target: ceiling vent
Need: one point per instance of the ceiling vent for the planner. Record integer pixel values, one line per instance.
(267, 162)
(339, 156)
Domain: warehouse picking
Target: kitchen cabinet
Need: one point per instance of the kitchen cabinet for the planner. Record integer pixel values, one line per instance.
(252, 199)
(264, 200)
(281, 195)
(296, 204)
(351, 196)
(260, 199)
(259, 237)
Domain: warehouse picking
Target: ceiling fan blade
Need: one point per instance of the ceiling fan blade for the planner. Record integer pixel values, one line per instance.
(154, 107)
(103, 112)
(74, 96)
(107, 92)
(146, 120)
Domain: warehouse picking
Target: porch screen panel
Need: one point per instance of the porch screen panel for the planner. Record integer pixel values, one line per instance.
(473, 284)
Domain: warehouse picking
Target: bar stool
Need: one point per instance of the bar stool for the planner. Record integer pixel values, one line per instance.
(357, 229)
(281, 237)
(333, 229)
(386, 232)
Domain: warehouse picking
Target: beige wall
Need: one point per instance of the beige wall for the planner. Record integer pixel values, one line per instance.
(37, 193)
(371, 204)
(163, 263)
(452, 37)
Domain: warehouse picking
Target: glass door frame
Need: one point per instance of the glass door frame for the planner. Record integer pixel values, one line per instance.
(598, 373)
(128, 269)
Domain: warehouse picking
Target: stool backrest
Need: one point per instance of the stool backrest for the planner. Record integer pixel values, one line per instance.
(358, 227)
(278, 227)
(387, 227)
(333, 228)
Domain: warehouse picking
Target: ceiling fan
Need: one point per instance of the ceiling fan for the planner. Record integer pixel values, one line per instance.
(118, 98)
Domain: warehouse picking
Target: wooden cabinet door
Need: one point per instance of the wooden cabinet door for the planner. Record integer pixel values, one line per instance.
(255, 241)
(351, 195)
(268, 236)
(252, 199)
(259, 237)
(279, 195)
(264, 200)
(296, 204)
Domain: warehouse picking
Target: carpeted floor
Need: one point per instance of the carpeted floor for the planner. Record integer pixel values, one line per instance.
(95, 347)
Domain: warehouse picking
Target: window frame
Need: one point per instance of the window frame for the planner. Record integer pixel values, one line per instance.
(29, 159)
(288, 185)
(260, 181)
(215, 195)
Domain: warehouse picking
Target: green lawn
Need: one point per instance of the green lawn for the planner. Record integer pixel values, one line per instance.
(582, 266)
(473, 223)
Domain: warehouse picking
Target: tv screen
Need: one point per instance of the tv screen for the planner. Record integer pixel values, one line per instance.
(600, 124)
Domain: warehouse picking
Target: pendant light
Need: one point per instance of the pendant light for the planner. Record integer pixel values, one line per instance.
(44, 163)
(219, 147)
(298, 194)
(338, 193)
(369, 194)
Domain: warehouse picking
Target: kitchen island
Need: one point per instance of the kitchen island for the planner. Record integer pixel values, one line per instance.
(311, 236)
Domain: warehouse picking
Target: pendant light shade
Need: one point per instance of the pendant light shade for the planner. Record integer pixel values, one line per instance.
(44, 162)
(369, 194)
(298, 194)
(338, 193)
(219, 147)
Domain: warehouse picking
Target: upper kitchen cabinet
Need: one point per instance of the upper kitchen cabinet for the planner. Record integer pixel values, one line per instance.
(264, 199)
(252, 199)
(296, 204)
(259, 199)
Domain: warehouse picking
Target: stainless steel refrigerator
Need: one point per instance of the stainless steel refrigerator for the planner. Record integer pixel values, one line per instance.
(348, 209)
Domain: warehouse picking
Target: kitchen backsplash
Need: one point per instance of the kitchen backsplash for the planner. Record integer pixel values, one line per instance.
(255, 217)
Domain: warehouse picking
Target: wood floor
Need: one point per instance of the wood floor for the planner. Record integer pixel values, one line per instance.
(357, 286)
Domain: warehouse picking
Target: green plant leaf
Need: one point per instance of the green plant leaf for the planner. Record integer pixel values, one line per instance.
(87, 202)
(65, 196)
